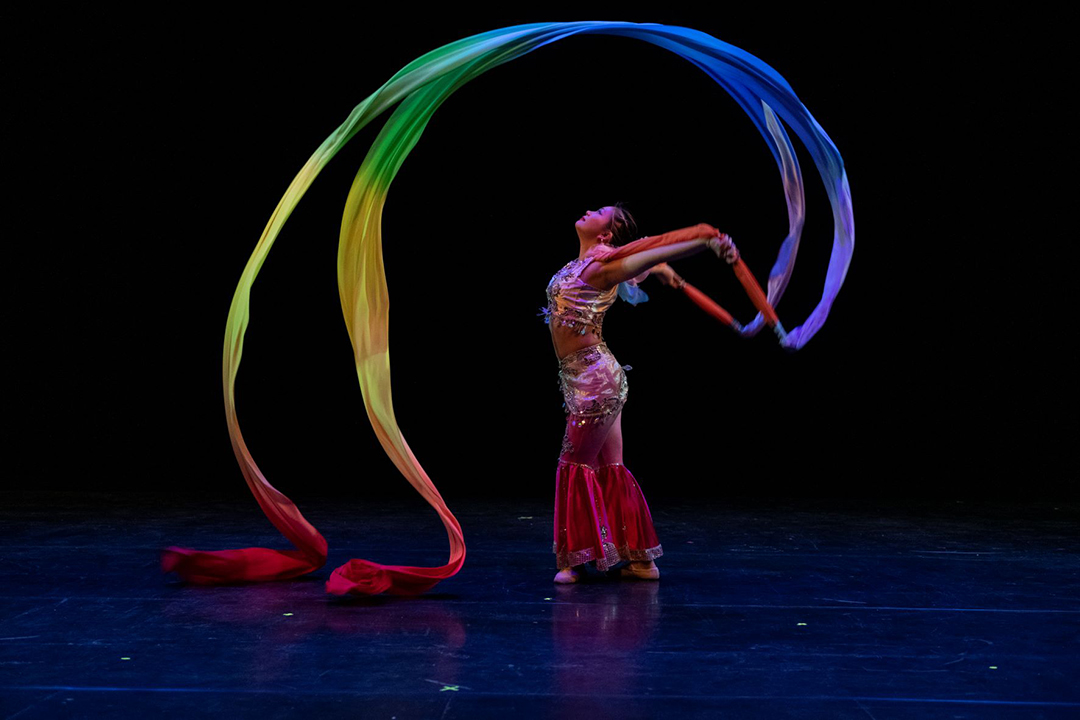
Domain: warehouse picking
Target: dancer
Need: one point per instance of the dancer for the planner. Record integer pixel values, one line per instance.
(600, 511)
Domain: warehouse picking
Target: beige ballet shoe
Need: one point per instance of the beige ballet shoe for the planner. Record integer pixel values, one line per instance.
(567, 575)
(641, 571)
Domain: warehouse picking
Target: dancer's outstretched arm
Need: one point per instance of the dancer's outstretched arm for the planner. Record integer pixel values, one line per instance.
(663, 248)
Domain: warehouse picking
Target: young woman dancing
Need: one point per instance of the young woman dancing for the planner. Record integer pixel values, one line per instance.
(600, 512)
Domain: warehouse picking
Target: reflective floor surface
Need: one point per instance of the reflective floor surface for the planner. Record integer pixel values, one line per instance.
(800, 609)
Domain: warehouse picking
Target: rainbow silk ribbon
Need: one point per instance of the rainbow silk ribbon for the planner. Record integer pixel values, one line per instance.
(419, 89)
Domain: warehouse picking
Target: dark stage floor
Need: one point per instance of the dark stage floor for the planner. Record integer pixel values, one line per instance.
(774, 610)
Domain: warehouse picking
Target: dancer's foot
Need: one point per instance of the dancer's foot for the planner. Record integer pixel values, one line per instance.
(567, 575)
(641, 571)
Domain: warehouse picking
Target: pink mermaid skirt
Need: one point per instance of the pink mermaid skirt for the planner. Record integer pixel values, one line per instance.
(600, 513)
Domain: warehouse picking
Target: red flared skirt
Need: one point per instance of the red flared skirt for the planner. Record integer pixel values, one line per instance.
(601, 515)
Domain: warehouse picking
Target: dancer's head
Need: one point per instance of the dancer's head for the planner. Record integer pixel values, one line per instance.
(611, 225)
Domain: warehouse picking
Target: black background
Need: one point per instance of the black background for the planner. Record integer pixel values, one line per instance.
(146, 154)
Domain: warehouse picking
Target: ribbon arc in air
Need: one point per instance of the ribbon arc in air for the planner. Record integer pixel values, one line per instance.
(418, 90)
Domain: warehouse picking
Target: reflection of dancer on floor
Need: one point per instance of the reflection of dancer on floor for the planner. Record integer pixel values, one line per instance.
(600, 512)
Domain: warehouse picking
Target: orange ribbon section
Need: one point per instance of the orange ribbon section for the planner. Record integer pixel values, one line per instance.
(742, 272)
(708, 305)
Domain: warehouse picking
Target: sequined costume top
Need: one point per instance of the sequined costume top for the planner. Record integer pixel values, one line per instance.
(574, 303)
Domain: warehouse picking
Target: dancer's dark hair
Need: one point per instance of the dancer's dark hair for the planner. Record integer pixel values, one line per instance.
(623, 226)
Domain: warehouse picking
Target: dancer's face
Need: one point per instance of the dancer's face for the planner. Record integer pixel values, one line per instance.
(595, 222)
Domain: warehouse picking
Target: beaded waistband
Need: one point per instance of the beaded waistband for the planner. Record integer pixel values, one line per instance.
(578, 354)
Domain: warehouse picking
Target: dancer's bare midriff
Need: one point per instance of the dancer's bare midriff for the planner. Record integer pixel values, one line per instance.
(568, 339)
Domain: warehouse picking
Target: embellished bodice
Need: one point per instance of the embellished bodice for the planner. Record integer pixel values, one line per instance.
(574, 303)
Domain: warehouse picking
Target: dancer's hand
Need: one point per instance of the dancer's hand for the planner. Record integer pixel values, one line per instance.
(666, 275)
(724, 247)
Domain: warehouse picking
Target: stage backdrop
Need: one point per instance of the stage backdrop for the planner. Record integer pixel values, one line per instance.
(943, 368)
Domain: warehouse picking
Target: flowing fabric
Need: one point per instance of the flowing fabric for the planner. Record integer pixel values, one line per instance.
(420, 88)
(631, 293)
(607, 253)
